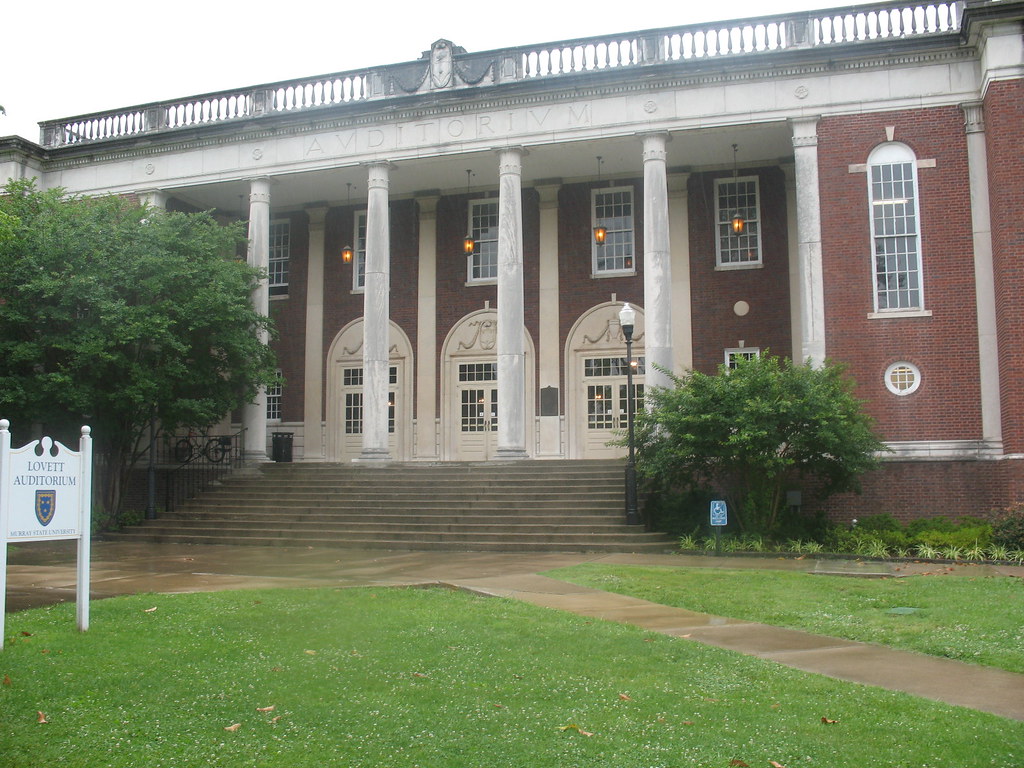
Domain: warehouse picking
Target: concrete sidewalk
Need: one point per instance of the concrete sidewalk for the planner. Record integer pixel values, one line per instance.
(44, 573)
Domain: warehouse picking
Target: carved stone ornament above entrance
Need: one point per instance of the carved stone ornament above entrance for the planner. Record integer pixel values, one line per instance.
(482, 335)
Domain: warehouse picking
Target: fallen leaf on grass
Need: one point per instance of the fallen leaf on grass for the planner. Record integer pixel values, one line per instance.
(275, 719)
(418, 674)
(42, 718)
(625, 697)
(271, 708)
(687, 722)
(574, 727)
(827, 721)
(26, 634)
(311, 653)
(233, 728)
(7, 679)
(774, 764)
(739, 763)
(150, 610)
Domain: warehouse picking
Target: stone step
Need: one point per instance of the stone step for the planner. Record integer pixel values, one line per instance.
(612, 544)
(447, 517)
(570, 506)
(437, 506)
(371, 528)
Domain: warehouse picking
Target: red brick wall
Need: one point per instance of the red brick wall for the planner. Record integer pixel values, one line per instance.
(289, 314)
(456, 299)
(579, 291)
(944, 346)
(341, 305)
(714, 293)
(1004, 134)
(913, 489)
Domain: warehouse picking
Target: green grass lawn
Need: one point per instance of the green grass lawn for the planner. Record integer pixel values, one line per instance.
(974, 619)
(392, 677)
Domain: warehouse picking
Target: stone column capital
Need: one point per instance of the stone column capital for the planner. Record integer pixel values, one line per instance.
(974, 117)
(317, 214)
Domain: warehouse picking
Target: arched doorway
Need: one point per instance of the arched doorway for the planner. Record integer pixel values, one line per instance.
(469, 389)
(345, 394)
(596, 380)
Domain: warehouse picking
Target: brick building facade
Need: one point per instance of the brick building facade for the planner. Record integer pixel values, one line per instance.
(873, 155)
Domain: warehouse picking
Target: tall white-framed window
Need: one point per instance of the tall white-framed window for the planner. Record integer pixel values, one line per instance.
(895, 228)
(274, 390)
(733, 355)
(737, 197)
(280, 246)
(612, 208)
(482, 263)
(359, 257)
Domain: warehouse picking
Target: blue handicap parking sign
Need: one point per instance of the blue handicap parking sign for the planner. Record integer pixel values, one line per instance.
(719, 513)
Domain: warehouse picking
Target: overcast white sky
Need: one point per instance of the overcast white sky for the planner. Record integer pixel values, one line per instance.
(63, 58)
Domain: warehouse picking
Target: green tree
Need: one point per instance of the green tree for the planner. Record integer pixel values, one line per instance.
(112, 314)
(754, 432)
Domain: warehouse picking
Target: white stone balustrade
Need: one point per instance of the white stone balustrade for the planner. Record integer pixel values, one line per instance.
(756, 36)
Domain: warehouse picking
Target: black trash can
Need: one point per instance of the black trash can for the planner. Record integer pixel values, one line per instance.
(281, 446)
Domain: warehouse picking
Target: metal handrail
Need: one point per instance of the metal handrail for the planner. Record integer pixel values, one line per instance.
(202, 468)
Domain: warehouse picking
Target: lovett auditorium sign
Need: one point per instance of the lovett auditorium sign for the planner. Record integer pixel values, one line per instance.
(45, 494)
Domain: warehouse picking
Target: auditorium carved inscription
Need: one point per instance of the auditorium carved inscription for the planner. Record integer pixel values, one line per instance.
(460, 128)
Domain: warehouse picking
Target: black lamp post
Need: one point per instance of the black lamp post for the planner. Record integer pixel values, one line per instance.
(627, 316)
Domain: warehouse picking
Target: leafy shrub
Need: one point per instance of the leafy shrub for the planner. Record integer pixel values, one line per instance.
(1008, 527)
(964, 537)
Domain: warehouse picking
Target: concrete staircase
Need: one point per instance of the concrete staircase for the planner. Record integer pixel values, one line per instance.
(519, 506)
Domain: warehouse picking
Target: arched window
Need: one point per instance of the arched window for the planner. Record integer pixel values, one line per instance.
(895, 227)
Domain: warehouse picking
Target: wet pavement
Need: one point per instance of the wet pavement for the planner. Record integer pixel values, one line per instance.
(44, 573)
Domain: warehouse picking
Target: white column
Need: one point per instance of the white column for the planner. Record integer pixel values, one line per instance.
(376, 311)
(984, 274)
(254, 414)
(795, 283)
(511, 339)
(682, 307)
(657, 341)
(312, 408)
(549, 342)
(426, 324)
(808, 225)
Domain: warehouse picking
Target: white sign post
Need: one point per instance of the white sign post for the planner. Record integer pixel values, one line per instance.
(46, 495)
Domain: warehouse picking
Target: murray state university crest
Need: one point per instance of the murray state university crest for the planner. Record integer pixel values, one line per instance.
(46, 505)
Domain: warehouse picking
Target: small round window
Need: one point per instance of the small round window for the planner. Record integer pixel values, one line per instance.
(902, 378)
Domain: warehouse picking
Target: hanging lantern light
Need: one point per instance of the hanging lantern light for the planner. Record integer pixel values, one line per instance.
(468, 243)
(346, 251)
(600, 232)
(738, 222)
